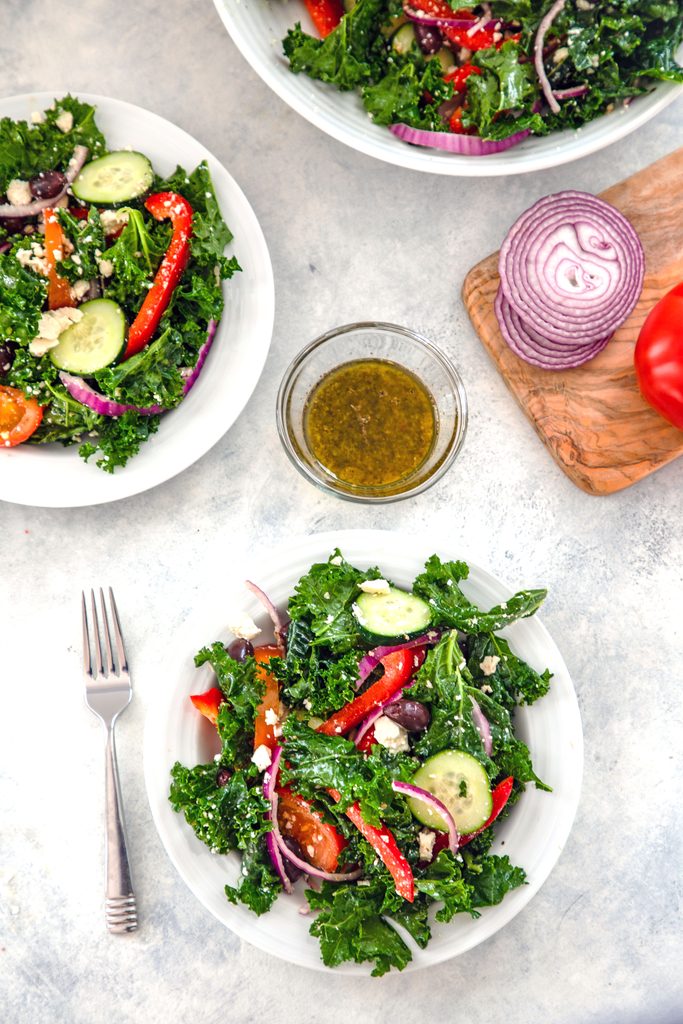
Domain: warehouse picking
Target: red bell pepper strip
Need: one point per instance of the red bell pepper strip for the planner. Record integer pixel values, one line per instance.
(325, 14)
(383, 843)
(264, 731)
(163, 206)
(58, 288)
(368, 741)
(398, 668)
(499, 797)
(208, 703)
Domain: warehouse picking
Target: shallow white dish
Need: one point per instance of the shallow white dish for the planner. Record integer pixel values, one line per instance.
(258, 27)
(534, 834)
(56, 477)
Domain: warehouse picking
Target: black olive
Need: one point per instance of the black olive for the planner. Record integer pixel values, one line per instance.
(47, 184)
(411, 714)
(240, 649)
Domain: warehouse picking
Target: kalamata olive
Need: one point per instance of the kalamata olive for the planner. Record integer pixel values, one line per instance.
(7, 350)
(429, 38)
(47, 184)
(240, 649)
(222, 777)
(411, 714)
(13, 225)
(291, 870)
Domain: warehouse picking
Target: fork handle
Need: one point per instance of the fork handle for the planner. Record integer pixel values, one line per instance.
(120, 906)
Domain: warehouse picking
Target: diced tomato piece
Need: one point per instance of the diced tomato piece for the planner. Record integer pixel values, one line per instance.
(368, 741)
(459, 76)
(19, 416)
(264, 731)
(208, 703)
(325, 14)
(320, 842)
(398, 668)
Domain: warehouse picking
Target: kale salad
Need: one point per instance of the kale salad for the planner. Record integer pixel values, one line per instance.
(477, 79)
(370, 749)
(110, 285)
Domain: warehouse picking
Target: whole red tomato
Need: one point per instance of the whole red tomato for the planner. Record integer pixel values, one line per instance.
(659, 357)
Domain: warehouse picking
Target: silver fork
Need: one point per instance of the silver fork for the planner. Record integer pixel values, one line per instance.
(108, 692)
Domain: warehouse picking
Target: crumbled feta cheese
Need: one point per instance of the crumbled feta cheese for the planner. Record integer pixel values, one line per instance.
(37, 117)
(261, 757)
(337, 560)
(489, 664)
(426, 838)
(80, 290)
(106, 267)
(113, 220)
(18, 192)
(271, 717)
(65, 121)
(561, 53)
(50, 326)
(242, 625)
(375, 587)
(391, 735)
(34, 258)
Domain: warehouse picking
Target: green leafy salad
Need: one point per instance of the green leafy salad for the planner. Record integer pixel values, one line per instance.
(476, 79)
(110, 285)
(371, 749)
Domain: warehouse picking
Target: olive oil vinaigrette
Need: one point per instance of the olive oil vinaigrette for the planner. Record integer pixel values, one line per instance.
(370, 423)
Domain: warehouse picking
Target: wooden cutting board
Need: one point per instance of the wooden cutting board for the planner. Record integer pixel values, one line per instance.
(592, 419)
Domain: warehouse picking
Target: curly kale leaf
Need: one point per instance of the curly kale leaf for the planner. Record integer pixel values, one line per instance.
(349, 56)
(438, 585)
(22, 296)
(26, 148)
(87, 238)
(350, 926)
(152, 377)
(242, 689)
(512, 681)
(119, 439)
(497, 98)
(323, 599)
(210, 233)
(307, 674)
(399, 95)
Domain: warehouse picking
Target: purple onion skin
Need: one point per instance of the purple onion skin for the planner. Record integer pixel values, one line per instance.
(429, 38)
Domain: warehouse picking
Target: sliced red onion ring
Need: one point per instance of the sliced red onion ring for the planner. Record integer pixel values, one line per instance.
(279, 624)
(191, 378)
(571, 93)
(100, 404)
(4, 246)
(270, 793)
(78, 158)
(466, 145)
(483, 728)
(572, 268)
(539, 41)
(424, 18)
(434, 804)
(371, 660)
(525, 343)
(269, 780)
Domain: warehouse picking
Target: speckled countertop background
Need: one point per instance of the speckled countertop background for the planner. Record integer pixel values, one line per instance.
(602, 940)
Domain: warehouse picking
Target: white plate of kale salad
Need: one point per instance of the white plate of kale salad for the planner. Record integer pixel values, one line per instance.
(136, 300)
(501, 87)
(364, 753)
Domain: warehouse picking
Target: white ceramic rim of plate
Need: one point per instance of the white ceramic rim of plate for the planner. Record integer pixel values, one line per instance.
(51, 476)
(342, 116)
(170, 716)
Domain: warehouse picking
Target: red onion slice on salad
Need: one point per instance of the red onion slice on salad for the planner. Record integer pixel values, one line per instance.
(539, 41)
(78, 158)
(279, 624)
(269, 780)
(434, 804)
(100, 404)
(483, 728)
(191, 378)
(270, 793)
(376, 713)
(472, 26)
(466, 145)
(371, 660)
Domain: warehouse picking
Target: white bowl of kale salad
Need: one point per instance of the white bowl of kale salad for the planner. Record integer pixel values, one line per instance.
(502, 87)
(367, 757)
(136, 300)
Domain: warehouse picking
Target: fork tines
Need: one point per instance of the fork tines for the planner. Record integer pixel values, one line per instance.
(99, 669)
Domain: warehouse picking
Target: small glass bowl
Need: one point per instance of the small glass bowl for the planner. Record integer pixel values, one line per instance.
(387, 342)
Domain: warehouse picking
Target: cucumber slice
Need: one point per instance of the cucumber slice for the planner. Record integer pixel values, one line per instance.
(114, 178)
(460, 782)
(403, 38)
(446, 59)
(94, 342)
(392, 613)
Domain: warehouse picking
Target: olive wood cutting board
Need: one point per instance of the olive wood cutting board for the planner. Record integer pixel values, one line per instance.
(593, 419)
